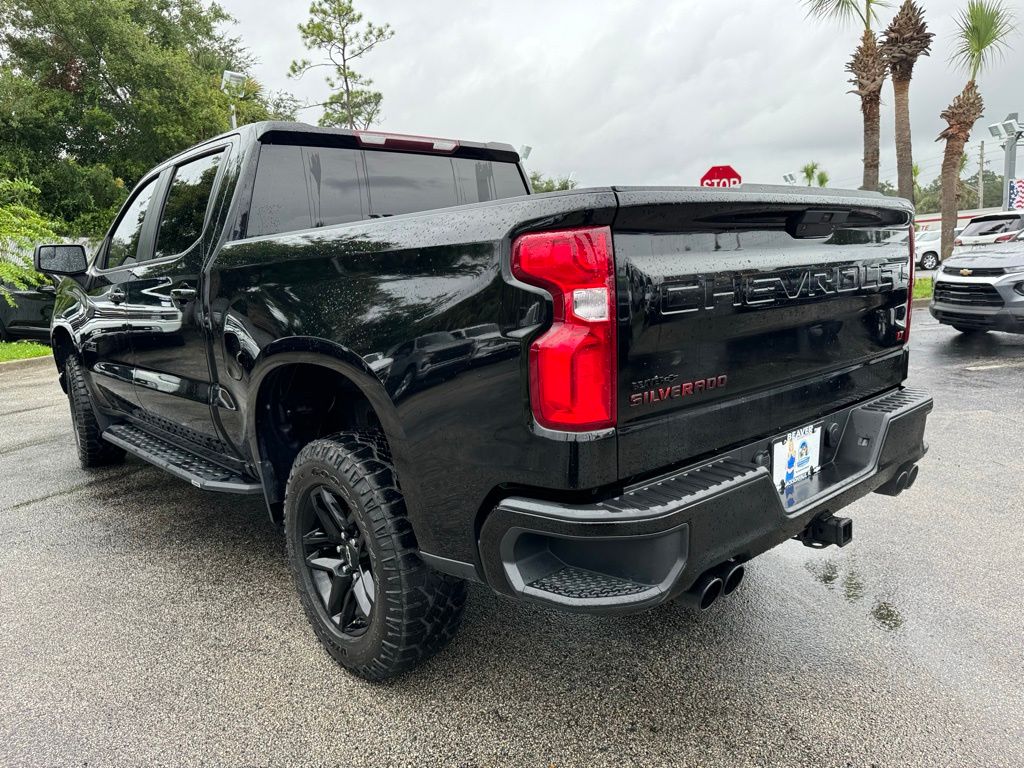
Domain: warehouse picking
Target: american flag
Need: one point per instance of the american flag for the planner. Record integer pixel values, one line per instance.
(1016, 194)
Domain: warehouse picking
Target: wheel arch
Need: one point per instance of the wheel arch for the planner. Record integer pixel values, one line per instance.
(63, 344)
(321, 367)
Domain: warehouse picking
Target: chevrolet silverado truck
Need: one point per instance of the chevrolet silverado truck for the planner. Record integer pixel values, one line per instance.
(597, 400)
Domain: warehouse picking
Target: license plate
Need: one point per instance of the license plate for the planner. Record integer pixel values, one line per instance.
(796, 456)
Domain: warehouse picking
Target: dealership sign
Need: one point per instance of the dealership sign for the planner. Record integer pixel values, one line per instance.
(721, 176)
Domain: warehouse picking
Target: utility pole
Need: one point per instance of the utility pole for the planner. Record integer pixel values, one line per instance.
(981, 175)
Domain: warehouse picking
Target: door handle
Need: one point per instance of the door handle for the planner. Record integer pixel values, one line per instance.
(117, 295)
(183, 295)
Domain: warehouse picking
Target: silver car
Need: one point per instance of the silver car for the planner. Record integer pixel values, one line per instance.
(982, 290)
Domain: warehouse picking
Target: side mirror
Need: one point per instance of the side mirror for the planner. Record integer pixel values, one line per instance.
(60, 259)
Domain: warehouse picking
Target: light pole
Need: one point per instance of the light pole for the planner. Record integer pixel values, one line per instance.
(1009, 133)
(232, 80)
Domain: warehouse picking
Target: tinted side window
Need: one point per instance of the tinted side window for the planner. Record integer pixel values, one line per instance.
(181, 222)
(303, 187)
(124, 241)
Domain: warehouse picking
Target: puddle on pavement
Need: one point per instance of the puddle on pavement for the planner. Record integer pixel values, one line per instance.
(844, 579)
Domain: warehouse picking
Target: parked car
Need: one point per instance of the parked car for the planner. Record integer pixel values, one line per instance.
(688, 377)
(982, 290)
(927, 247)
(431, 355)
(488, 341)
(990, 228)
(29, 317)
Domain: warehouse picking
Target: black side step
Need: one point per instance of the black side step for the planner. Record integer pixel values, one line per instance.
(198, 470)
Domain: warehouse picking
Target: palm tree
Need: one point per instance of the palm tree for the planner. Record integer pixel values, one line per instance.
(808, 171)
(867, 67)
(822, 178)
(906, 39)
(915, 174)
(983, 28)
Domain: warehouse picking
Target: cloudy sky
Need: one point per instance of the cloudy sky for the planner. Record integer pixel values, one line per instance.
(637, 92)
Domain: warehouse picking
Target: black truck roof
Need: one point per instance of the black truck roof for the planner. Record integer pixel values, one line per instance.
(285, 132)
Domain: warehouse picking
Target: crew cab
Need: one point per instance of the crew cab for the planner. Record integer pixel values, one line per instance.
(597, 400)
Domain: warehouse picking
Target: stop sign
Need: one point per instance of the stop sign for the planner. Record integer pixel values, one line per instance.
(721, 176)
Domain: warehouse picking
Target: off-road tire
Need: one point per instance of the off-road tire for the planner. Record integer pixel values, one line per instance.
(93, 450)
(970, 331)
(416, 610)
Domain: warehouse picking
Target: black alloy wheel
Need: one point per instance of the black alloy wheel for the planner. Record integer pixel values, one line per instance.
(338, 561)
(378, 609)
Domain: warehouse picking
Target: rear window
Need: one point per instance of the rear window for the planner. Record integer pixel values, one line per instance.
(301, 187)
(979, 228)
(406, 183)
(304, 187)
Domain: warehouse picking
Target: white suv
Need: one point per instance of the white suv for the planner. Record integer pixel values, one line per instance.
(990, 228)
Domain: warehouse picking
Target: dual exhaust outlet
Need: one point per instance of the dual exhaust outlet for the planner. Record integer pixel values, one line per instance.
(823, 531)
(718, 581)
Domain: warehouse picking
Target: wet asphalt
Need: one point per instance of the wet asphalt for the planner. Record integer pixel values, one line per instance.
(143, 622)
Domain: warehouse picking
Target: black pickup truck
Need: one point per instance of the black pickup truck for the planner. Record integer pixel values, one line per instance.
(598, 399)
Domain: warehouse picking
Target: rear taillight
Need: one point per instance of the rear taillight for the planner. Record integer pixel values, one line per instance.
(1006, 238)
(903, 334)
(573, 364)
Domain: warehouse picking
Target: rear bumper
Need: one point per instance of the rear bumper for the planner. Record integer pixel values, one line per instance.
(655, 539)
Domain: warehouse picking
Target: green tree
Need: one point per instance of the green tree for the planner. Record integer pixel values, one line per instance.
(906, 39)
(867, 67)
(93, 94)
(809, 171)
(333, 29)
(822, 178)
(21, 228)
(540, 183)
(983, 28)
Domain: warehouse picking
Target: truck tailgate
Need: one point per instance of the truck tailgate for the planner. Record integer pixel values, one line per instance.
(746, 312)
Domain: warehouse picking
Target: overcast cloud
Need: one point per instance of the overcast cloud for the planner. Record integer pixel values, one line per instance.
(637, 92)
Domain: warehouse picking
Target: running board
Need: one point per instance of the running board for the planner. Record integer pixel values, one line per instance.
(198, 470)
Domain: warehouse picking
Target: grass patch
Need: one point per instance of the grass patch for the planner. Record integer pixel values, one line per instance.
(21, 350)
(923, 287)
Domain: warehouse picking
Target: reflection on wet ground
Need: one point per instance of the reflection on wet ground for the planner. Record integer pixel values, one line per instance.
(844, 578)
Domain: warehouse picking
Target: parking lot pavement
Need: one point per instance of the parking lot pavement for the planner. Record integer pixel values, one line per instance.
(147, 623)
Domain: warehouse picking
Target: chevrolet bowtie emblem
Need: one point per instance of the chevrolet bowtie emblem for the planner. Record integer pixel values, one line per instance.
(966, 272)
